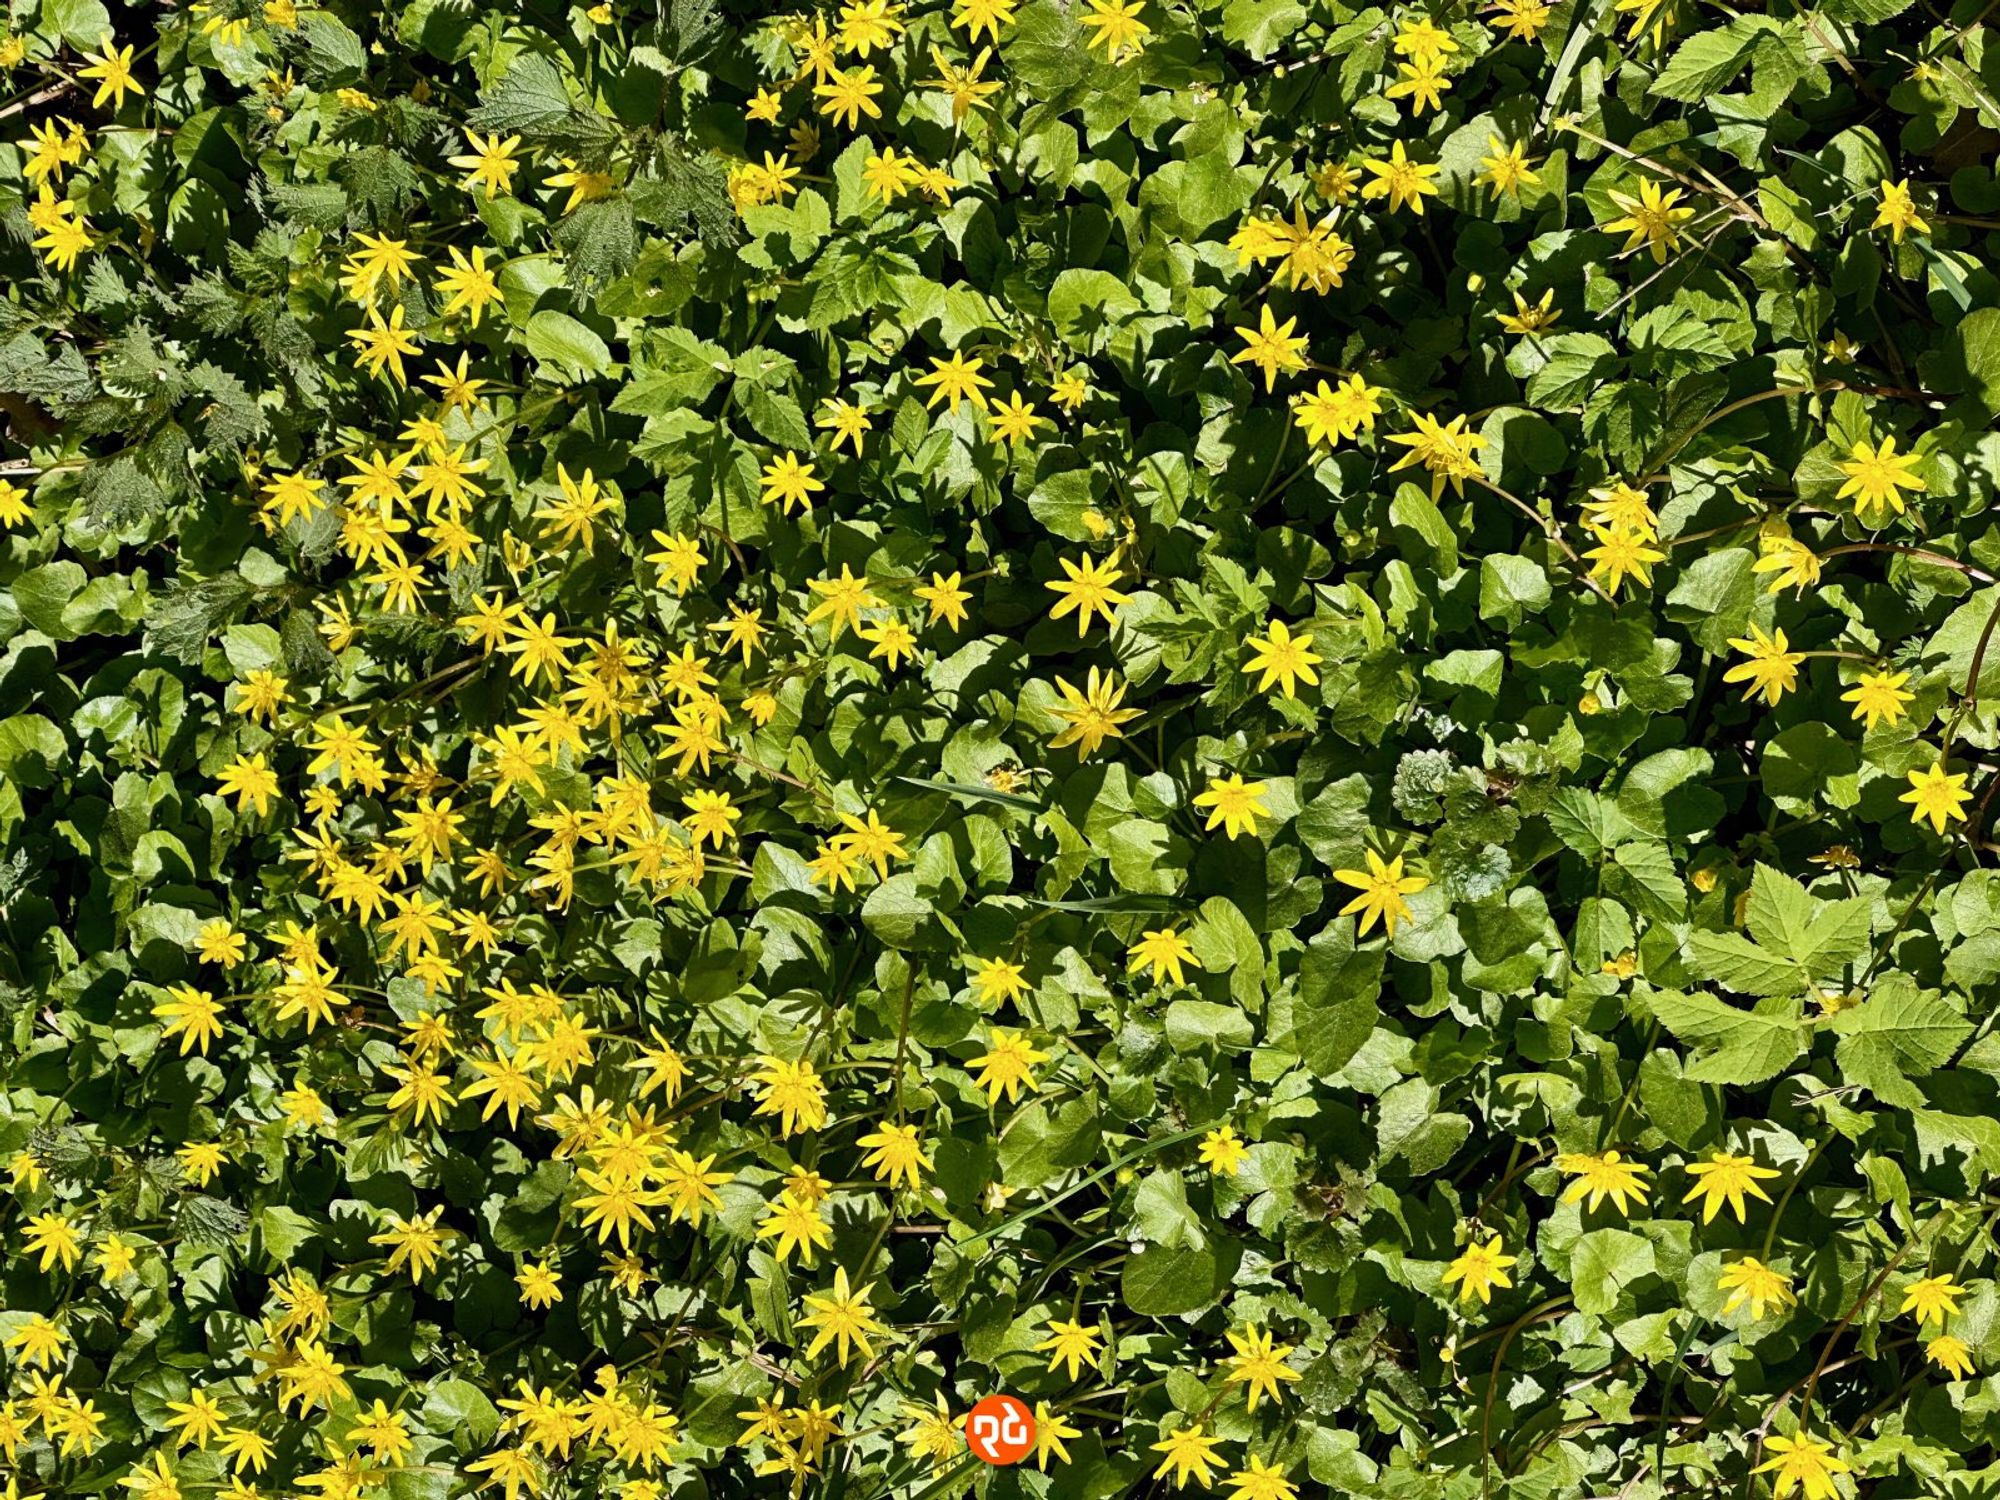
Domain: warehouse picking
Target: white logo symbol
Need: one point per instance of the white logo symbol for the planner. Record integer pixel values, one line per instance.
(989, 1432)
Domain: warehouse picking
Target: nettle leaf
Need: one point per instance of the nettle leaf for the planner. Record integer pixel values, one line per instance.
(1897, 1033)
(1707, 63)
(1798, 939)
(1737, 1046)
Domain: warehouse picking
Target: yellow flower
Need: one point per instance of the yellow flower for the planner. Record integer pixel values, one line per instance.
(954, 380)
(1189, 1455)
(1802, 1463)
(1052, 1431)
(1261, 1481)
(490, 163)
(787, 482)
(888, 175)
(1619, 555)
(1650, 219)
(197, 1419)
(1163, 950)
(1932, 1299)
(1796, 564)
(113, 68)
(1603, 1175)
(1647, 13)
(945, 599)
(467, 284)
(1013, 420)
(381, 345)
(1271, 346)
(615, 1204)
(1116, 27)
(1070, 391)
(15, 506)
(1876, 477)
(417, 1243)
(843, 1318)
(539, 1284)
(1403, 182)
(1258, 1365)
(1898, 213)
(201, 1160)
(1007, 1066)
(1423, 82)
(1087, 590)
(1234, 805)
(848, 421)
(1449, 451)
(987, 16)
(892, 641)
(1422, 37)
(584, 187)
(841, 601)
(40, 1342)
(793, 1091)
(1505, 167)
(1479, 1269)
(252, 783)
(1222, 1151)
(1383, 885)
(1093, 714)
(967, 91)
(1073, 1344)
(1878, 698)
(798, 1227)
(1283, 658)
(1952, 1355)
(847, 96)
(895, 1154)
(1773, 669)
(52, 1237)
(873, 840)
(996, 981)
(933, 1432)
(1750, 1282)
(1531, 318)
(1936, 795)
(1334, 414)
(1724, 1178)
(219, 943)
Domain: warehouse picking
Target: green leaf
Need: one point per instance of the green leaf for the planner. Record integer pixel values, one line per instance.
(1818, 936)
(1968, 360)
(1164, 1282)
(1740, 1047)
(1714, 598)
(1705, 63)
(1577, 364)
(1899, 1032)
(1511, 588)
(971, 793)
(895, 911)
(1083, 303)
(1605, 1264)
(562, 340)
(1336, 1009)
(460, 1410)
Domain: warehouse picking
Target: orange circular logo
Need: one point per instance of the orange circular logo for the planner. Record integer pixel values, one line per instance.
(1000, 1430)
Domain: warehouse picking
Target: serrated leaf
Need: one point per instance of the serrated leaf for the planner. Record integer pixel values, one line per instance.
(1738, 1047)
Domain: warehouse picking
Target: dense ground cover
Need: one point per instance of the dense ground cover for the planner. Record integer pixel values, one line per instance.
(1271, 721)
